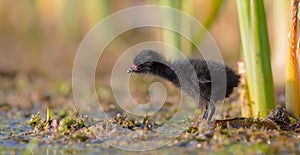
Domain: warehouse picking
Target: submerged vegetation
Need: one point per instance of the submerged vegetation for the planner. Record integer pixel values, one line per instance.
(267, 135)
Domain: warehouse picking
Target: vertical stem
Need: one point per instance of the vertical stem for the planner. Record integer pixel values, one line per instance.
(292, 72)
(256, 49)
(48, 114)
(172, 37)
(188, 7)
(243, 7)
(263, 85)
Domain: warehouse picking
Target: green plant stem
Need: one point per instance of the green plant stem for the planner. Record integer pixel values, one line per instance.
(263, 85)
(48, 114)
(243, 7)
(188, 7)
(256, 49)
(171, 37)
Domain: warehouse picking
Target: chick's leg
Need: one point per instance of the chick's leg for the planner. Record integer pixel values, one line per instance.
(212, 110)
(203, 105)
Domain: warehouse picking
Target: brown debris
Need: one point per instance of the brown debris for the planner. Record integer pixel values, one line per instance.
(280, 119)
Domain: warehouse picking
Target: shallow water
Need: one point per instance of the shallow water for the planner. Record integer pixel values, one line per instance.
(16, 137)
(12, 143)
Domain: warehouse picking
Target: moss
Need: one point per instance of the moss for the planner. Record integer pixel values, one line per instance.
(192, 129)
(70, 124)
(37, 123)
(292, 119)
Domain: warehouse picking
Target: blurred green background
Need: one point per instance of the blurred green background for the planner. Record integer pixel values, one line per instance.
(42, 36)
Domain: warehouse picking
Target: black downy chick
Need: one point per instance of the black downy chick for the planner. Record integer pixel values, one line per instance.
(151, 62)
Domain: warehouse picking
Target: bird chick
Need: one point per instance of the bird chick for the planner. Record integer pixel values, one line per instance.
(180, 72)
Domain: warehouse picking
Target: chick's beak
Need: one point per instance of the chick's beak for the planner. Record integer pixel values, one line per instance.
(131, 69)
